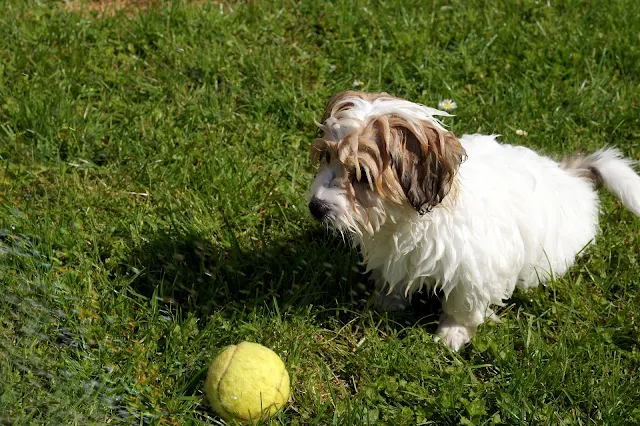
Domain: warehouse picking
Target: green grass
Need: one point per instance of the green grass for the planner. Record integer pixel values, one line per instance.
(152, 178)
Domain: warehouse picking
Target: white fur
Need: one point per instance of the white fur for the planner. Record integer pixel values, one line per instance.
(619, 177)
(348, 121)
(517, 220)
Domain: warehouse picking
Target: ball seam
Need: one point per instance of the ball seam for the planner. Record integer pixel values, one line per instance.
(231, 415)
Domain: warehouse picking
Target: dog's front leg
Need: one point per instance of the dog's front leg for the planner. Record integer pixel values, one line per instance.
(453, 333)
(462, 314)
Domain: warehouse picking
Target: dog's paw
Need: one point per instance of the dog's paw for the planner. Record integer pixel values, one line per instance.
(452, 333)
(391, 302)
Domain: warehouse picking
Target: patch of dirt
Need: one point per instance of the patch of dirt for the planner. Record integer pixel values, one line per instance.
(108, 7)
(111, 7)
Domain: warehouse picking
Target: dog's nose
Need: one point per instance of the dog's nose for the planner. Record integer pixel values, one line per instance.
(318, 208)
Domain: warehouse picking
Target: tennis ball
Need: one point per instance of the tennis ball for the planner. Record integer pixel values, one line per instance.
(247, 382)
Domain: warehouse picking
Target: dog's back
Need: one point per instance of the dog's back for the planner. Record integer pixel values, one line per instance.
(555, 212)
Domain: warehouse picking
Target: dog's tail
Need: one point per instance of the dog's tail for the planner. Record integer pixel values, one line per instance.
(608, 166)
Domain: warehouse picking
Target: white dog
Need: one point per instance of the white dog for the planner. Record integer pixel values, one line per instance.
(470, 217)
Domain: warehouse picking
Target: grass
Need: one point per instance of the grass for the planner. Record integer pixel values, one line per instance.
(152, 179)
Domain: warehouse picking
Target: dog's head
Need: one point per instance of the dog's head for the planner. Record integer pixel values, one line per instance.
(380, 157)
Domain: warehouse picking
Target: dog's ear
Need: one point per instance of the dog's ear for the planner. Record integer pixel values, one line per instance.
(425, 159)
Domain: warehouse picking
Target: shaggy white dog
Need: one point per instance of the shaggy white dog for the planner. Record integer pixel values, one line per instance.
(472, 218)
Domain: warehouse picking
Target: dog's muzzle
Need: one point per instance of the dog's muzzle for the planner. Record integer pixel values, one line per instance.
(319, 209)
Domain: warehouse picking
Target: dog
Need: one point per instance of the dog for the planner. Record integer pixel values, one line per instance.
(469, 218)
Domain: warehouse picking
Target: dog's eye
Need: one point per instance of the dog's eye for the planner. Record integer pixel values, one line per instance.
(326, 157)
(363, 176)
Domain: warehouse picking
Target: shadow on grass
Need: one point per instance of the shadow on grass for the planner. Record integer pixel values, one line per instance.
(314, 269)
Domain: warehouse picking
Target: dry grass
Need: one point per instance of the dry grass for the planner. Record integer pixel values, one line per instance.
(109, 7)
(105, 8)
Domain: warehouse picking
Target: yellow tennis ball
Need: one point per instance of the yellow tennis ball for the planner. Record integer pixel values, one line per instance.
(247, 382)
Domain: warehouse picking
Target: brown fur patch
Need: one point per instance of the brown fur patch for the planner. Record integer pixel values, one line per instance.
(426, 160)
(582, 165)
(341, 96)
(398, 160)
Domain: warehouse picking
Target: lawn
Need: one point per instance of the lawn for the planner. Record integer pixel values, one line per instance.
(153, 169)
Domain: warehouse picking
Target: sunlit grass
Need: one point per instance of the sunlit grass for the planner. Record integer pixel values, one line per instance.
(152, 179)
